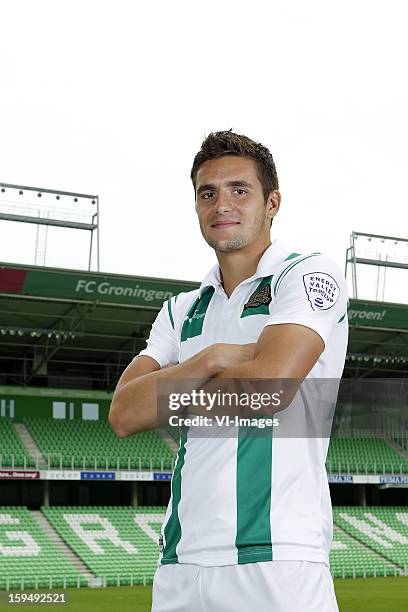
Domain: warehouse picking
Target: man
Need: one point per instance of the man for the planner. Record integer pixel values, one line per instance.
(249, 523)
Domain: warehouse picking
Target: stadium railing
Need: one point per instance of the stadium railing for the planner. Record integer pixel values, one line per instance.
(75, 462)
(39, 582)
(21, 583)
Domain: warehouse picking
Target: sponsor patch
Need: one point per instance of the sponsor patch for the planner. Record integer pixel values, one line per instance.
(321, 289)
(259, 298)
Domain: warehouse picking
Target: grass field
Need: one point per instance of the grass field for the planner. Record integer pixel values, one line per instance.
(359, 595)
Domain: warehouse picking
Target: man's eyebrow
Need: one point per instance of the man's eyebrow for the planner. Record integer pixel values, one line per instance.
(211, 187)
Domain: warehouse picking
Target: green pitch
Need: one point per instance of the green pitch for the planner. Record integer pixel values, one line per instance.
(359, 595)
(373, 594)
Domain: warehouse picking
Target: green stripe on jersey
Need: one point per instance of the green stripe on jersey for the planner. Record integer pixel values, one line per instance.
(172, 530)
(193, 323)
(291, 256)
(170, 313)
(288, 268)
(254, 486)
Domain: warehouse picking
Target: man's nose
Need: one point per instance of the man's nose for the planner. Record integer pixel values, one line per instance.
(224, 202)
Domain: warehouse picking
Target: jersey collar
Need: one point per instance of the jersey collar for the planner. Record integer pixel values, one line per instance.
(274, 255)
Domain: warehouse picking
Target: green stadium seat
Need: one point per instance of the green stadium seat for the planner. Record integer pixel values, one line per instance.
(133, 557)
(364, 455)
(11, 447)
(39, 558)
(80, 442)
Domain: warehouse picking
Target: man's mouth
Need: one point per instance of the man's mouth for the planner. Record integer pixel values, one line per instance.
(222, 224)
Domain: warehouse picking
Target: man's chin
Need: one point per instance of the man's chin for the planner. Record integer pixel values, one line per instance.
(225, 246)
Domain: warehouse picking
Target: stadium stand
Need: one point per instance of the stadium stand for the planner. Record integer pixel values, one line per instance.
(349, 559)
(381, 529)
(92, 444)
(87, 444)
(364, 455)
(12, 450)
(118, 544)
(29, 558)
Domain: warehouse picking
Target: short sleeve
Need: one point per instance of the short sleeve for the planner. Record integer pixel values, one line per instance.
(162, 343)
(310, 291)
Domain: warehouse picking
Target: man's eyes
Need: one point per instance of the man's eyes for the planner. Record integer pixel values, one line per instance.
(208, 194)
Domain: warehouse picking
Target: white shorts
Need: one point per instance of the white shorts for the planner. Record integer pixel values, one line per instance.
(270, 586)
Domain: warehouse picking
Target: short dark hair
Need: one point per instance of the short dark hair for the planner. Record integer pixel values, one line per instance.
(217, 144)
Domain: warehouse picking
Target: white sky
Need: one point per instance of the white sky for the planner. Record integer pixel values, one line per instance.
(115, 97)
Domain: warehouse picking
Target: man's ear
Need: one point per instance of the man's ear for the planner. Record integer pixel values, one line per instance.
(273, 203)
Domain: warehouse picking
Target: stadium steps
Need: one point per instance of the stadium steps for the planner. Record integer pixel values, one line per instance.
(168, 439)
(12, 450)
(53, 535)
(372, 552)
(398, 449)
(36, 561)
(30, 446)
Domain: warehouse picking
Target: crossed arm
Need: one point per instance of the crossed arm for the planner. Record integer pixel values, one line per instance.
(282, 351)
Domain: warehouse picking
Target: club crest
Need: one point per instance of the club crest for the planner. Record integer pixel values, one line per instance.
(259, 298)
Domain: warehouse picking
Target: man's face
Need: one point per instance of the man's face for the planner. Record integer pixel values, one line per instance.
(230, 204)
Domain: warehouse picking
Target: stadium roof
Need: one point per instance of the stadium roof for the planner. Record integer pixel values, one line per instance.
(72, 328)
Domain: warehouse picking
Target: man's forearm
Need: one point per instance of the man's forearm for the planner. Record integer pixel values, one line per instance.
(273, 378)
(134, 404)
(256, 368)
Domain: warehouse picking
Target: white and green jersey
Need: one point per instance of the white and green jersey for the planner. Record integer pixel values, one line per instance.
(247, 499)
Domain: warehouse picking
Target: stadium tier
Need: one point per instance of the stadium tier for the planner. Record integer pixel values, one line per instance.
(119, 545)
(88, 444)
(28, 558)
(364, 455)
(93, 445)
(379, 528)
(12, 450)
(349, 558)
